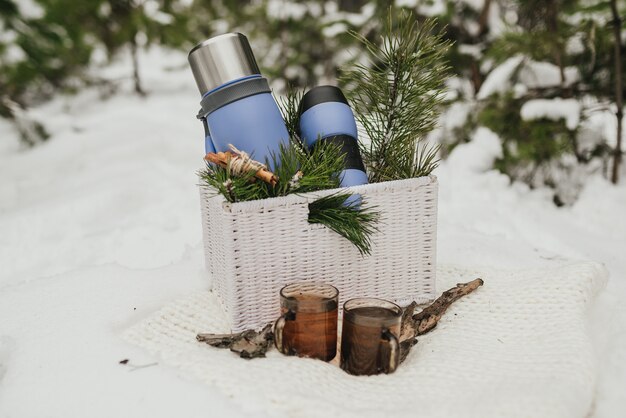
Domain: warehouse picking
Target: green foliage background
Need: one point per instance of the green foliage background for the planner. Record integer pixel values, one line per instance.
(304, 43)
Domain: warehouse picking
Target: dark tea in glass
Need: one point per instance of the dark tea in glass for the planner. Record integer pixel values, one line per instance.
(369, 337)
(307, 326)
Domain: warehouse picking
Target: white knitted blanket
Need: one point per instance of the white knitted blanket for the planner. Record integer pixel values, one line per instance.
(517, 347)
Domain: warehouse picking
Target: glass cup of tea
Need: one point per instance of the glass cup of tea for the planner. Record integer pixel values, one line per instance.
(307, 326)
(369, 337)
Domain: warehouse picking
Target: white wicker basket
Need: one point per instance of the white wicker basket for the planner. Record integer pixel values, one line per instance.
(252, 249)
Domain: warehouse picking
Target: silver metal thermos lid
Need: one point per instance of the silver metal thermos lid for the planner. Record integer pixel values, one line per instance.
(221, 59)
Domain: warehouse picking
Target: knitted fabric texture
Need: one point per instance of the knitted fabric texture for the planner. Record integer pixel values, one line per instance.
(517, 347)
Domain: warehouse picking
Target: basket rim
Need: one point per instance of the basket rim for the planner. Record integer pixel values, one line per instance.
(306, 198)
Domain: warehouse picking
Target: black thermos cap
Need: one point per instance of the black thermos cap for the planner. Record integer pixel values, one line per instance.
(321, 94)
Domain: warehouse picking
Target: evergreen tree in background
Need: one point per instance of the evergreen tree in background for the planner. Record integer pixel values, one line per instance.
(133, 24)
(554, 53)
(46, 47)
(507, 56)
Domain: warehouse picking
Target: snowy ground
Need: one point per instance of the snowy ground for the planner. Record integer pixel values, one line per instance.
(100, 226)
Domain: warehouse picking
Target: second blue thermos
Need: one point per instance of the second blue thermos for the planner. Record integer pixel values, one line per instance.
(237, 104)
(325, 116)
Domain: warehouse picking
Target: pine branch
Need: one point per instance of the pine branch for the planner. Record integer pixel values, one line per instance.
(234, 189)
(289, 106)
(354, 222)
(303, 171)
(398, 97)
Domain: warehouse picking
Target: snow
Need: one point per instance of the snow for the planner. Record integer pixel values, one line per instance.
(14, 54)
(575, 45)
(456, 115)
(335, 29)
(545, 74)
(604, 122)
(477, 155)
(498, 80)
(553, 109)
(407, 3)
(471, 50)
(152, 9)
(285, 10)
(100, 227)
(457, 86)
(477, 5)
(510, 17)
(497, 26)
(530, 73)
(433, 8)
(30, 9)
(355, 19)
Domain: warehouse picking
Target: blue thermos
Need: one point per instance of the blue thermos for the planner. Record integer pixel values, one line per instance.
(237, 103)
(326, 116)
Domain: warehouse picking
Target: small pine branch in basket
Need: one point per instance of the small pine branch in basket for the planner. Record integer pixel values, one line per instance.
(301, 171)
(233, 188)
(356, 223)
(398, 97)
(298, 171)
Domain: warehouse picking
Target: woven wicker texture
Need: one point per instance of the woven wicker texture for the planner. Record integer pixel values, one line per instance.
(252, 249)
(517, 347)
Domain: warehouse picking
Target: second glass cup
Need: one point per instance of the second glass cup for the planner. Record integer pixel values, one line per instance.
(307, 326)
(369, 337)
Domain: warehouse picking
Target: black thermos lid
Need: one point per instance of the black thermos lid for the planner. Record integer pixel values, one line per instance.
(321, 94)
